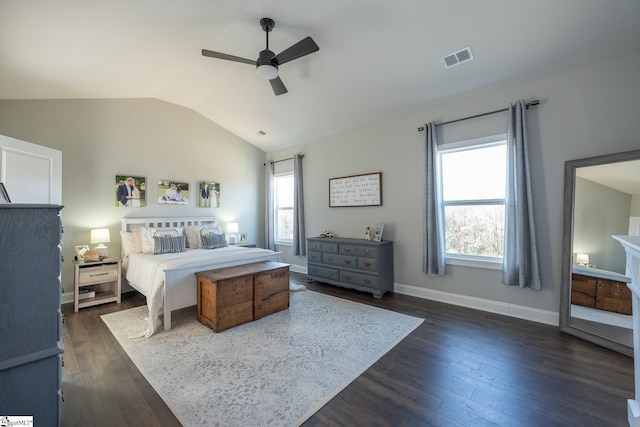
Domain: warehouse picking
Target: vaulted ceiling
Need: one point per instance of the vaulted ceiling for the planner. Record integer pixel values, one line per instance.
(378, 59)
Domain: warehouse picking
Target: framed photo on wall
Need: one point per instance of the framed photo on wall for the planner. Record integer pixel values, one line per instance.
(173, 192)
(130, 191)
(208, 194)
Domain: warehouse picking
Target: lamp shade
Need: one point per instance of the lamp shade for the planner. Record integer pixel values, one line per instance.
(100, 235)
(582, 259)
(232, 227)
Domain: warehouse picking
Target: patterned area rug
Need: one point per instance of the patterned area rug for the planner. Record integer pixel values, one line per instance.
(276, 371)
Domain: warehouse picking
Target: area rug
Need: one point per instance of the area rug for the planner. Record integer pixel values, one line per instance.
(275, 371)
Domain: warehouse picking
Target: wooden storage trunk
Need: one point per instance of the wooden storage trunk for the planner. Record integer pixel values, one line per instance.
(271, 292)
(613, 296)
(224, 302)
(232, 296)
(583, 290)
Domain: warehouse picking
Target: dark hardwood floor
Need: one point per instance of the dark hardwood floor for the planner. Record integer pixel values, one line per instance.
(461, 367)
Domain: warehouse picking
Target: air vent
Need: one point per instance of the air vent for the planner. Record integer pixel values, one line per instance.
(457, 58)
(261, 133)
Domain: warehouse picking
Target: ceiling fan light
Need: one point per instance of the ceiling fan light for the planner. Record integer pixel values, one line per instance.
(267, 71)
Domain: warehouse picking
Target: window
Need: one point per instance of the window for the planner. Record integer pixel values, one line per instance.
(283, 205)
(473, 179)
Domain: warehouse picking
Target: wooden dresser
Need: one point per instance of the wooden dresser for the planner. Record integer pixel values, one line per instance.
(30, 317)
(359, 264)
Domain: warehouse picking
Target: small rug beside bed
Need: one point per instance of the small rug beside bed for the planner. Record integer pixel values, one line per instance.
(275, 371)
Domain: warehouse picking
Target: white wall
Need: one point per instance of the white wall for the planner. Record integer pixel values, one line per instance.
(157, 140)
(587, 111)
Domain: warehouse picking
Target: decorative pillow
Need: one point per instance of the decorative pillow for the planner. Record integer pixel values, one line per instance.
(168, 244)
(128, 243)
(137, 240)
(148, 234)
(193, 236)
(172, 232)
(211, 229)
(213, 241)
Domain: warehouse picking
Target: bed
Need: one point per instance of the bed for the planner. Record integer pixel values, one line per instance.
(168, 279)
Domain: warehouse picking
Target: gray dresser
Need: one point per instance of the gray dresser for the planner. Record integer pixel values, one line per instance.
(30, 317)
(359, 264)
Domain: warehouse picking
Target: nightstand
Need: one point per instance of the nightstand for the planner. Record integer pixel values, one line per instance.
(97, 282)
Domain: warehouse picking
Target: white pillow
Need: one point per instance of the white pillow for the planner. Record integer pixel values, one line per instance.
(137, 240)
(128, 243)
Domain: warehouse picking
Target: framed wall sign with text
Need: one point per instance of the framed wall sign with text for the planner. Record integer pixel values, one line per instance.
(356, 190)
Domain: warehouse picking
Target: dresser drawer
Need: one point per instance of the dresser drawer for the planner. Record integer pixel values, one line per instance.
(348, 249)
(323, 272)
(101, 274)
(359, 279)
(367, 251)
(369, 264)
(314, 246)
(340, 260)
(330, 247)
(315, 256)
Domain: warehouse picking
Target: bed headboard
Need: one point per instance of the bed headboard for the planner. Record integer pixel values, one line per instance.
(128, 224)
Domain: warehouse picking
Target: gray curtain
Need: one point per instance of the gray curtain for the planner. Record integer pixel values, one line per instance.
(269, 238)
(299, 240)
(520, 261)
(434, 247)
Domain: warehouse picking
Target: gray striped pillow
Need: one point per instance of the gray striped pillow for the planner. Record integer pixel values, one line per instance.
(168, 244)
(213, 241)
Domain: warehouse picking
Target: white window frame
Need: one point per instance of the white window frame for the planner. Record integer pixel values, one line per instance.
(276, 208)
(489, 263)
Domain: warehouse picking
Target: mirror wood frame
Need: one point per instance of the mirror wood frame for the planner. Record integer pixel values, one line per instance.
(570, 167)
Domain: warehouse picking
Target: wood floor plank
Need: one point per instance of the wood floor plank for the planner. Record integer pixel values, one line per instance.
(461, 367)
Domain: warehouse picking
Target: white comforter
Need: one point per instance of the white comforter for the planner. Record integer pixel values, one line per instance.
(145, 272)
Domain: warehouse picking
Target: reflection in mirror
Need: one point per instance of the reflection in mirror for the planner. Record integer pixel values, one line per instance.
(602, 198)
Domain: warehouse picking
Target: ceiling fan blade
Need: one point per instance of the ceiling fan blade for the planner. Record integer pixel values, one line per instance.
(278, 86)
(298, 50)
(219, 55)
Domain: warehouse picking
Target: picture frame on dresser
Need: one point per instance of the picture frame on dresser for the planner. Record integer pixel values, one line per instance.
(80, 251)
(377, 234)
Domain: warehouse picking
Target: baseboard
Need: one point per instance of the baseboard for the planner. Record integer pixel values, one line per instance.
(67, 297)
(521, 312)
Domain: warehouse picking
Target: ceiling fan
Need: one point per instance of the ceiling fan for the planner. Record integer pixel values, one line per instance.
(268, 62)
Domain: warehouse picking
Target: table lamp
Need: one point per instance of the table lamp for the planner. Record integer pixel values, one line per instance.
(582, 259)
(232, 230)
(100, 236)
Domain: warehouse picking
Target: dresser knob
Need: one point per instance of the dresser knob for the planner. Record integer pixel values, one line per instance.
(347, 261)
(330, 258)
(367, 264)
(347, 277)
(367, 251)
(347, 250)
(313, 256)
(330, 248)
(367, 281)
(330, 274)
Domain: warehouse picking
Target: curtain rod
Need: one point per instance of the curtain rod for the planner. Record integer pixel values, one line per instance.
(283, 160)
(535, 102)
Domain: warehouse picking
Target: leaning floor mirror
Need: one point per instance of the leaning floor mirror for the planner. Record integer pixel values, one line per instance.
(601, 199)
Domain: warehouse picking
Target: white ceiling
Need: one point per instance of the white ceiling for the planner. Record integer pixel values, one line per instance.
(621, 176)
(378, 59)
